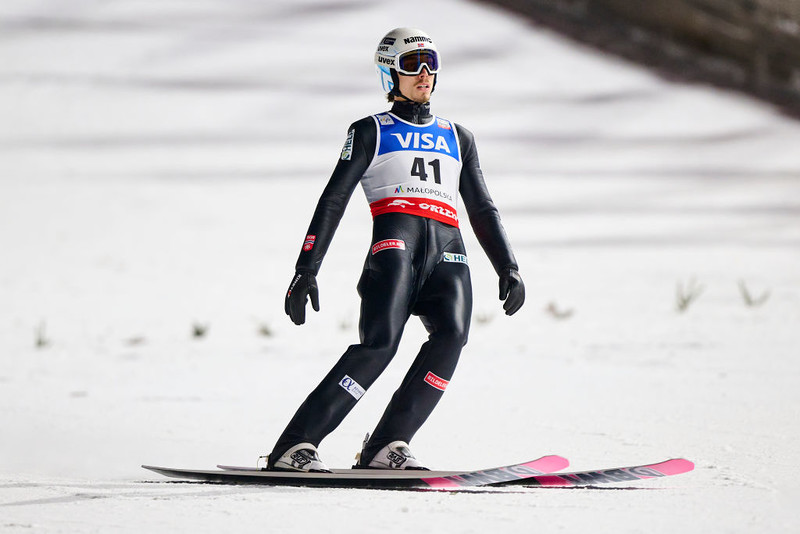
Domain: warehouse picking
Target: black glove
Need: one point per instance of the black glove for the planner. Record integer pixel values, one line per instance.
(512, 291)
(303, 285)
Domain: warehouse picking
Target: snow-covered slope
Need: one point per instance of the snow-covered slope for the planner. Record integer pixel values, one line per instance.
(159, 163)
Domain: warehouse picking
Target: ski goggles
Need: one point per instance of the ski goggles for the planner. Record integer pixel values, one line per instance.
(411, 63)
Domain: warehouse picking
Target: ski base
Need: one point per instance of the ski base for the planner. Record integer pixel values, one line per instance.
(371, 478)
(537, 473)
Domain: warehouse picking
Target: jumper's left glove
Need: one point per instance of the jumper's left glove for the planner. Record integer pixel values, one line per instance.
(512, 291)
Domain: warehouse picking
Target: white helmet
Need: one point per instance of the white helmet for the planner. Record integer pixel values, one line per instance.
(407, 51)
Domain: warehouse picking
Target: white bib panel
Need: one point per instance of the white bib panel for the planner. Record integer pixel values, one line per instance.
(416, 169)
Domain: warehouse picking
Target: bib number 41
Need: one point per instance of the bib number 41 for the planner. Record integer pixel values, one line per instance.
(418, 170)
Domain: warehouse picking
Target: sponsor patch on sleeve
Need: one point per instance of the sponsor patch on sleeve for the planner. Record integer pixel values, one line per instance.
(347, 149)
(387, 244)
(308, 244)
(352, 387)
(437, 382)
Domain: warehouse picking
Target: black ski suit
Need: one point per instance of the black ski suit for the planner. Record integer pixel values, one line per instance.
(394, 285)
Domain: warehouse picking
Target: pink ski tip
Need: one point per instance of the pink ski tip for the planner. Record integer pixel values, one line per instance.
(675, 466)
(547, 464)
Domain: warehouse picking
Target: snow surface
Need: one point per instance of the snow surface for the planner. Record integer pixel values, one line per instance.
(159, 163)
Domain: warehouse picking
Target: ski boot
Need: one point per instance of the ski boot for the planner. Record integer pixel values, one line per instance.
(303, 458)
(396, 455)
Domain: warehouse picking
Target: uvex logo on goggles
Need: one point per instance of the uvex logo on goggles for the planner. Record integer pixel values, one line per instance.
(411, 63)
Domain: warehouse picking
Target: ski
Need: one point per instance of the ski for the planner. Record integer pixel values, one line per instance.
(370, 478)
(674, 466)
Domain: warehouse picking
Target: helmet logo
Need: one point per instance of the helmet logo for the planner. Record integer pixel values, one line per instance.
(417, 39)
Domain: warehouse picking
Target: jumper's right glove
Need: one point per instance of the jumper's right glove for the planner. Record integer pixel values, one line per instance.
(512, 291)
(303, 285)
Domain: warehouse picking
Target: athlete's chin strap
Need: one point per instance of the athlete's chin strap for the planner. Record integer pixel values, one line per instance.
(396, 86)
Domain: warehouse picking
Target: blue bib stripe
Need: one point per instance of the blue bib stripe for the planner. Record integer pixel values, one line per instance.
(438, 137)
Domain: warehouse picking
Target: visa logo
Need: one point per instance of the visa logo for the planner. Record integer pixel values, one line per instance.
(422, 141)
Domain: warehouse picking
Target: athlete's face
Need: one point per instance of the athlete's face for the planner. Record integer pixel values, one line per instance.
(417, 87)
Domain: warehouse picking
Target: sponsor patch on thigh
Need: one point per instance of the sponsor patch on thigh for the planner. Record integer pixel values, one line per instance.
(437, 382)
(387, 244)
(352, 387)
(453, 257)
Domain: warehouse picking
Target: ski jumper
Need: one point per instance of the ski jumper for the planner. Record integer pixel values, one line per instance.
(412, 167)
